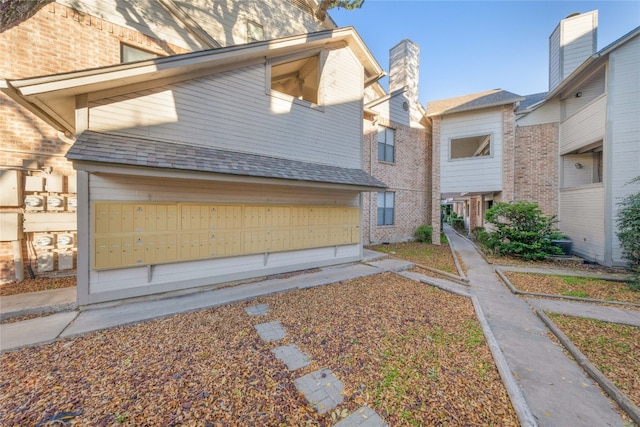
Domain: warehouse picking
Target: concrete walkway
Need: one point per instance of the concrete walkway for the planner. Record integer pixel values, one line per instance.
(554, 388)
(558, 392)
(67, 323)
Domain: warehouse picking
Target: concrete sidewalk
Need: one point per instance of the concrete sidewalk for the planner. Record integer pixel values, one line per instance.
(557, 390)
(69, 323)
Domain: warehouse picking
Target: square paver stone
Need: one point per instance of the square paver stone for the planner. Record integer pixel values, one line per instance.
(257, 310)
(363, 417)
(291, 356)
(321, 389)
(271, 331)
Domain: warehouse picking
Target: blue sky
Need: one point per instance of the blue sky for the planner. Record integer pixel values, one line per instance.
(473, 46)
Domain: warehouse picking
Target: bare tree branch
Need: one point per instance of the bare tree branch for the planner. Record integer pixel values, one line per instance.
(14, 12)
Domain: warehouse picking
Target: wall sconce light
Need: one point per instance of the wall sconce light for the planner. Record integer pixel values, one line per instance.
(578, 94)
(578, 165)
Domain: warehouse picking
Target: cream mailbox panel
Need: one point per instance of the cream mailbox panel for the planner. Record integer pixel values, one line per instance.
(130, 234)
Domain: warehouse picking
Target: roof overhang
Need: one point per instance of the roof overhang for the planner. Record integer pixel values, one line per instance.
(111, 153)
(53, 97)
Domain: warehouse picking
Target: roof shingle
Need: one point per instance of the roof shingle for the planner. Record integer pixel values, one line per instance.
(474, 101)
(125, 150)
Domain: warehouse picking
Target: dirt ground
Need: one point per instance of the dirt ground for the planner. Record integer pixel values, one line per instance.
(414, 354)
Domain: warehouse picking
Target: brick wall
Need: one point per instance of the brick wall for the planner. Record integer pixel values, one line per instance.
(536, 166)
(435, 179)
(508, 153)
(409, 177)
(56, 39)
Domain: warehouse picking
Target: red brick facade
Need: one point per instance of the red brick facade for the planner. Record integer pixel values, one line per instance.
(536, 166)
(409, 177)
(56, 39)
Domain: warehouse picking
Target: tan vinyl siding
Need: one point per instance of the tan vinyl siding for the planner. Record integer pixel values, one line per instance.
(129, 188)
(588, 91)
(578, 41)
(582, 219)
(624, 126)
(478, 173)
(584, 128)
(230, 110)
(549, 112)
(554, 58)
(225, 21)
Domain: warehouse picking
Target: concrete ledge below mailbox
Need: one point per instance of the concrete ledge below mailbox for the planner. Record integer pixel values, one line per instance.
(42, 221)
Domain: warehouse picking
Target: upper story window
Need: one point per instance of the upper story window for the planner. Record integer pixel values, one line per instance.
(299, 78)
(130, 54)
(386, 144)
(255, 32)
(386, 208)
(475, 146)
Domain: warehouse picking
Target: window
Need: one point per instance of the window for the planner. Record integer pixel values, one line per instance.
(299, 78)
(386, 208)
(130, 54)
(475, 146)
(386, 145)
(255, 32)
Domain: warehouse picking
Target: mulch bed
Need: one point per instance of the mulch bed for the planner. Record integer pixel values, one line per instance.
(614, 349)
(435, 256)
(37, 284)
(414, 354)
(583, 287)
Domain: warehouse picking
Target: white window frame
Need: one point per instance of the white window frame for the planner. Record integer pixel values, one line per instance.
(386, 131)
(319, 106)
(489, 143)
(388, 199)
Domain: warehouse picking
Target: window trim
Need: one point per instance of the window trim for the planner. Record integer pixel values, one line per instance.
(393, 208)
(321, 54)
(127, 45)
(393, 132)
(475, 135)
(252, 22)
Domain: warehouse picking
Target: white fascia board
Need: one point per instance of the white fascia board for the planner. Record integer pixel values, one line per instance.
(94, 167)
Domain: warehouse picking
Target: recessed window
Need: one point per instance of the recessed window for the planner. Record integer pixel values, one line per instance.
(299, 78)
(255, 32)
(130, 54)
(475, 146)
(386, 205)
(386, 144)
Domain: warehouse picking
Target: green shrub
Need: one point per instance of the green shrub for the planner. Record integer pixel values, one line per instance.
(424, 232)
(457, 222)
(520, 230)
(629, 233)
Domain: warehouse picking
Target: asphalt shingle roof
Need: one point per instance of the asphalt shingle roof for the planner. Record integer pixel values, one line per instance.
(125, 150)
(474, 101)
(530, 100)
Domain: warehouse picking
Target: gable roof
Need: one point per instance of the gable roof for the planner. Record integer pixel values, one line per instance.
(52, 97)
(531, 101)
(139, 152)
(474, 101)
